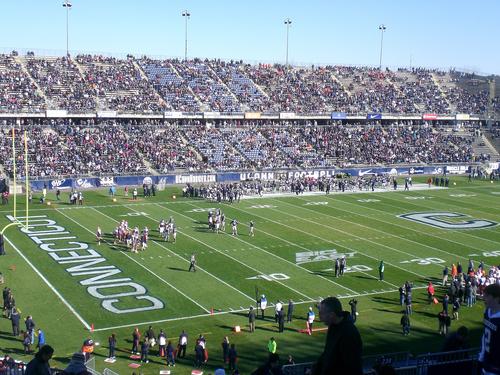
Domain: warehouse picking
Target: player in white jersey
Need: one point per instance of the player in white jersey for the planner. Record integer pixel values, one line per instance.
(252, 229)
(144, 241)
(223, 222)
(98, 235)
(161, 227)
(217, 224)
(211, 221)
(234, 226)
(174, 233)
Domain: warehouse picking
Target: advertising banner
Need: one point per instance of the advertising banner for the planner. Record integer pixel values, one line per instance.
(374, 116)
(252, 115)
(429, 116)
(339, 116)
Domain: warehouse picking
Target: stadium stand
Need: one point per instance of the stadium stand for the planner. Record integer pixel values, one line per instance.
(90, 83)
(70, 147)
(119, 84)
(18, 93)
(62, 84)
(171, 86)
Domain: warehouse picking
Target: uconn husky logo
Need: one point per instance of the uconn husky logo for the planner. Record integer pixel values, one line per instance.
(447, 220)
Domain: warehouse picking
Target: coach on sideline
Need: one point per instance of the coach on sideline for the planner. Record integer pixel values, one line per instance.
(343, 347)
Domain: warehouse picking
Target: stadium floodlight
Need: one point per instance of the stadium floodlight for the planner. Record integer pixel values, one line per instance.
(382, 28)
(287, 22)
(68, 6)
(186, 15)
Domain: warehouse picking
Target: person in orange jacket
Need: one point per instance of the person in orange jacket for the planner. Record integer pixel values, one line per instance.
(430, 292)
(454, 271)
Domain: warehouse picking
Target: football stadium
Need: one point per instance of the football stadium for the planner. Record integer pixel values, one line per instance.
(204, 215)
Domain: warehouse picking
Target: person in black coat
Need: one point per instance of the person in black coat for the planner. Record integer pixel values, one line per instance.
(225, 350)
(289, 313)
(271, 367)
(145, 350)
(15, 317)
(354, 307)
(40, 364)
(281, 320)
(199, 355)
(343, 348)
(233, 357)
(112, 345)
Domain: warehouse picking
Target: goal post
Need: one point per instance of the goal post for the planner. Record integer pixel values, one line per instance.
(16, 189)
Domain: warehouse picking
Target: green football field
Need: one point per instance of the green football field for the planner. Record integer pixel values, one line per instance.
(69, 283)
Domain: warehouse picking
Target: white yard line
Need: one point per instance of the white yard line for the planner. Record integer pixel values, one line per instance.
(229, 256)
(463, 231)
(186, 260)
(339, 230)
(403, 227)
(239, 310)
(282, 259)
(141, 265)
(63, 300)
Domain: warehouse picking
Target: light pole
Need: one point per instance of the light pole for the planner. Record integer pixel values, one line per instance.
(288, 22)
(382, 28)
(186, 14)
(68, 6)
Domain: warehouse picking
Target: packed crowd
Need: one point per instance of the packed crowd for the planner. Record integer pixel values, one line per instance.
(62, 83)
(163, 146)
(89, 83)
(119, 84)
(213, 94)
(17, 92)
(61, 147)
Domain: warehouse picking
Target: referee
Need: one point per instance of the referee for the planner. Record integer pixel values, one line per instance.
(192, 264)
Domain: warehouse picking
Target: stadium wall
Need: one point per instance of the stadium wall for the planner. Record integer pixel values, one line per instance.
(207, 178)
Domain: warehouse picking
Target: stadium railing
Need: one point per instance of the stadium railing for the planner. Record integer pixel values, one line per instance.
(297, 369)
(107, 371)
(457, 362)
(460, 362)
(396, 359)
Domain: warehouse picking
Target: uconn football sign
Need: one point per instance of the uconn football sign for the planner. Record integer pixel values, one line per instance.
(104, 281)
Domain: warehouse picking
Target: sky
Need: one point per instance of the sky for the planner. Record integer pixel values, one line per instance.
(428, 33)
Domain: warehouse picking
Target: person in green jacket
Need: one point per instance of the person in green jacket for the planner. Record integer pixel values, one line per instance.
(272, 346)
(381, 268)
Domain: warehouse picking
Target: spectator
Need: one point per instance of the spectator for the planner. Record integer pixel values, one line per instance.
(405, 323)
(343, 347)
(271, 367)
(40, 364)
(77, 365)
(457, 340)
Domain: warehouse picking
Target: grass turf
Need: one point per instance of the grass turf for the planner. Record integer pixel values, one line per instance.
(365, 227)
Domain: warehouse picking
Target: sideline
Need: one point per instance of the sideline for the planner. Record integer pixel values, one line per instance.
(85, 324)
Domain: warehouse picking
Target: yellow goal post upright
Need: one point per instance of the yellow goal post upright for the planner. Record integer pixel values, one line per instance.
(16, 222)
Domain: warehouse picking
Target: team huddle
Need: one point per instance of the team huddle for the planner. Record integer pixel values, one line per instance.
(137, 240)
(133, 238)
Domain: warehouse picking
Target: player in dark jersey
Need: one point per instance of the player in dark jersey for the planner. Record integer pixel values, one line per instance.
(490, 345)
